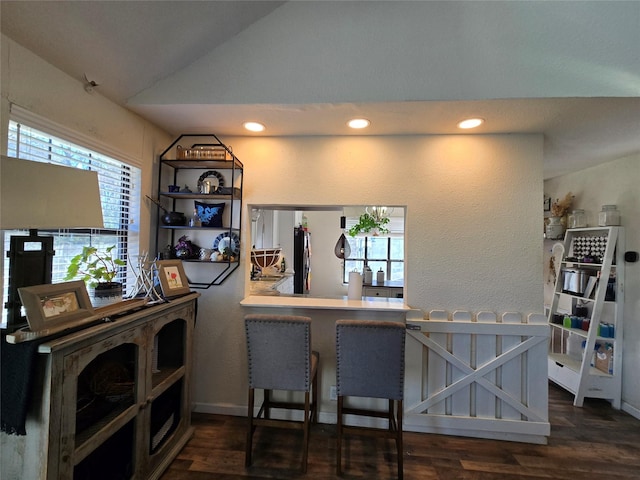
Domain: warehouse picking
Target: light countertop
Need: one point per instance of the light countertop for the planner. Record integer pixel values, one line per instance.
(337, 303)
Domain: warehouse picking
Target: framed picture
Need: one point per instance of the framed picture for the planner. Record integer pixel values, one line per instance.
(173, 280)
(56, 304)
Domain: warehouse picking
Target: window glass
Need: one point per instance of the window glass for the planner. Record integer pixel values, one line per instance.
(376, 252)
(119, 194)
(357, 245)
(397, 271)
(378, 248)
(397, 248)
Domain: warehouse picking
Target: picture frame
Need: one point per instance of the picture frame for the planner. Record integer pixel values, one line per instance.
(56, 305)
(173, 280)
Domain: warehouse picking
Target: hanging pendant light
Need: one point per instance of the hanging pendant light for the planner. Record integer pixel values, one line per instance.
(342, 249)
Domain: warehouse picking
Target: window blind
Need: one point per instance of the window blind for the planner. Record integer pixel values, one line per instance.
(119, 194)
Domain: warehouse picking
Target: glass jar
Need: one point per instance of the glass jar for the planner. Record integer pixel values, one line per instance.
(577, 219)
(609, 216)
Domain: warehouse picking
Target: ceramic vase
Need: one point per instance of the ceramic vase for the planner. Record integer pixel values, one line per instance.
(106, 294)
(555, 229)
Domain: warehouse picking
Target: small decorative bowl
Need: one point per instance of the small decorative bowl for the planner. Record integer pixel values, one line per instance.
(265, 257)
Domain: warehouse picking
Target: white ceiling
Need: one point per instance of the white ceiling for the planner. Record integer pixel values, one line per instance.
(275, 62)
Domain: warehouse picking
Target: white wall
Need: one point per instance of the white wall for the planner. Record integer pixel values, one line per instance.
(615, 183)
(473, 237)
(473, 205)
(326, 268)
(40, 88)
(473, 229)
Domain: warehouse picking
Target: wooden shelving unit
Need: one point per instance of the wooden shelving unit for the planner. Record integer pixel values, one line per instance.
(585, 349)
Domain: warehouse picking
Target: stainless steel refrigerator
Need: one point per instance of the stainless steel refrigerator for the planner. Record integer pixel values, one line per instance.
(301, 260)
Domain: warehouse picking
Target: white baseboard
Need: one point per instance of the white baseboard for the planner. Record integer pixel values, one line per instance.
(631, 410)
(221, 409)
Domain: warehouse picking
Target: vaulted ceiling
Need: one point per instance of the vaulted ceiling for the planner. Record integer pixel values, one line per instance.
(568, 70)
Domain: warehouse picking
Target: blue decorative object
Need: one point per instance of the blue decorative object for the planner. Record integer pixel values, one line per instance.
(210, 214)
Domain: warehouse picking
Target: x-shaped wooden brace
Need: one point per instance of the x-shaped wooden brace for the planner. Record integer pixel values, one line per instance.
(476, 375)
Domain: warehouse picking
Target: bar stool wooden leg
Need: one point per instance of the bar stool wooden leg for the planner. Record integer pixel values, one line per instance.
(392, 417)
(314, 406)
(249, 446)
(267, 404)
(306, 427)
(339, 438)
(399, 445)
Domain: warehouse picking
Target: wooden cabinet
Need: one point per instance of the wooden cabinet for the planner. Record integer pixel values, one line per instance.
(391, 289)
(375, 292)
(198, 171)
(585, 350)
(115, 399)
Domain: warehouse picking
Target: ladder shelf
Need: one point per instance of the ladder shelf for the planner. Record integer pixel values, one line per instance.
(585, 318)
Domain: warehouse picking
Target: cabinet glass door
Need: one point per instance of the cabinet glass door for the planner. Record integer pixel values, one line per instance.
(102, 394)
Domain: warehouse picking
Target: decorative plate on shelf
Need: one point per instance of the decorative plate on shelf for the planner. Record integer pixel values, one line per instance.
(227, 240)
(216, 178)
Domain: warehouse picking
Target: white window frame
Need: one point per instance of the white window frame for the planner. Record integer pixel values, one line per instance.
(123, 229)
(360, 262)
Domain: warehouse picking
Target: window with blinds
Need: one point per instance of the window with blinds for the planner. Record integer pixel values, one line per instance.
(119, 194)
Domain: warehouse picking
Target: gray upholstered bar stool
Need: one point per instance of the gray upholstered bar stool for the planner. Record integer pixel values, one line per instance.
(280, 358)
(370, 363)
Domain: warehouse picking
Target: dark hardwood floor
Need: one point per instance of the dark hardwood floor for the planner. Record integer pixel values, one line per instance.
(594, 442)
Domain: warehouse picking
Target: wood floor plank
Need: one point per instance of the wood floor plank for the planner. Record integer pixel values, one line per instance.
(594, 441)
(595, 465)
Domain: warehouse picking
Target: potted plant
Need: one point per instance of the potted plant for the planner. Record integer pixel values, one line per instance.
(99, 270)
(367, 223)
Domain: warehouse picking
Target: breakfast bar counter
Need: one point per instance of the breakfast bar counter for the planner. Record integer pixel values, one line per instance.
(370, 304)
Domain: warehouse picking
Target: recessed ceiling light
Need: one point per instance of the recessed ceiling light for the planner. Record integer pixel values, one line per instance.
(471, 123)
(253, 126)
(359, 123)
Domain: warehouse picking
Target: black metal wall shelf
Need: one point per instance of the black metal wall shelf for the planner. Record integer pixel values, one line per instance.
(184, 159)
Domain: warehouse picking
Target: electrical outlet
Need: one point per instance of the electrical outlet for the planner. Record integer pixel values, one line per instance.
(333, 393)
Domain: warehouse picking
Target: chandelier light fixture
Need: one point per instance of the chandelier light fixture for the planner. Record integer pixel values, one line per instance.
(379, 212)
